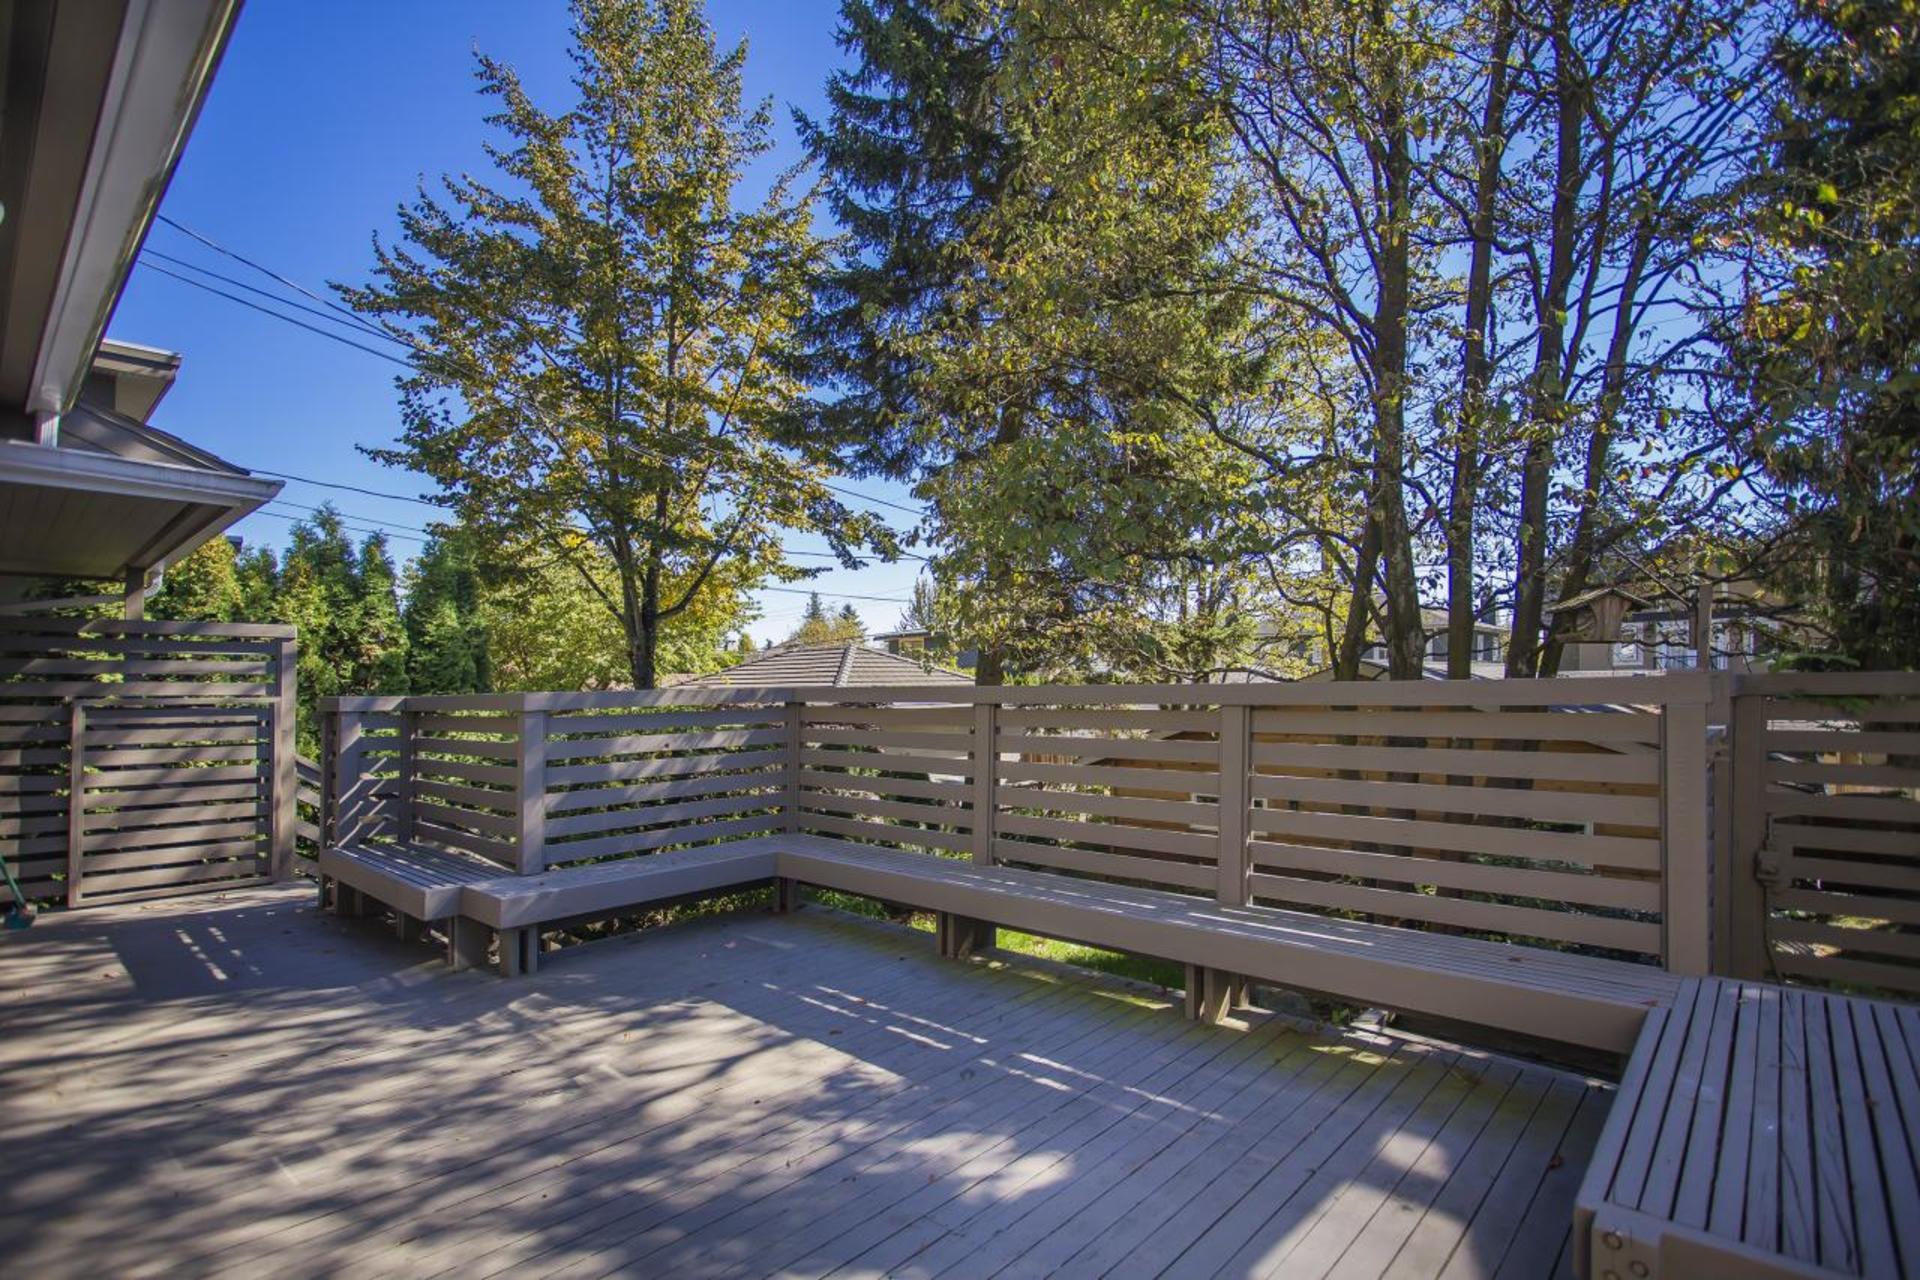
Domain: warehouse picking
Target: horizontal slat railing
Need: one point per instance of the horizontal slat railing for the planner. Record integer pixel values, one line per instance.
(1825, 868)
(143, 758)
(1563, 813)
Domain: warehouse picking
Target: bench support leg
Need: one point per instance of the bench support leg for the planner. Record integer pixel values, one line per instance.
(326, 894)
(1212, 994)
(958, 937)
(519, 951)
(407, 929)
(786, 896)
(467, 943)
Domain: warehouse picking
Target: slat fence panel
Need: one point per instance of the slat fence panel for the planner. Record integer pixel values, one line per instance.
(1513, 819)
(621, 783)
(898, 775)
(1836, 844)
(175, 755)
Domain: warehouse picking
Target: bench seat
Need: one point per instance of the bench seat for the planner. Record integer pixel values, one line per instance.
(1555, 995)
(1760, 1131)
(416, 881)
(1552, 994)
(602, 888)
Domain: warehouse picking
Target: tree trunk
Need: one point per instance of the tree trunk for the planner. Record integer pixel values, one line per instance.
(1613, 392)
(1353, 637)
(1405, 635)
(1547, 401)
(1475, 363)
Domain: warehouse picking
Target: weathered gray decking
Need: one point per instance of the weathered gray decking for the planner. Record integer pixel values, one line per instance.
(243, 1086)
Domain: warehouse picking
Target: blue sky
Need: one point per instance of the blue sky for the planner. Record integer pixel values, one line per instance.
(322, 119)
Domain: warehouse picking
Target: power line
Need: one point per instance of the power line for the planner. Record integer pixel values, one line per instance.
(294, 519)
(408, 342)
(183, 264)
(830, 595)
(425, 502)
(254, 306)
(353, 316)
(347, 488)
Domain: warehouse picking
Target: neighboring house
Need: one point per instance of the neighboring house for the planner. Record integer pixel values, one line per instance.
(1489, 649)
(98, 101)
(1624, 628)
(916, 642)
(853, 664)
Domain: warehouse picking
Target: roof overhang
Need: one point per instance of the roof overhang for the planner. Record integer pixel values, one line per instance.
(99, 99)
(83, 514)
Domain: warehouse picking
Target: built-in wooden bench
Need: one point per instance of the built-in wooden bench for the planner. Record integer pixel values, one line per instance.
(1760, 1131)
(1534, 991)
(1531, 990)
(420, 883)
(515, 907)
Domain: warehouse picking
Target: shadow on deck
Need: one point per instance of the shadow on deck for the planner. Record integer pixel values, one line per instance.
(242, 1085)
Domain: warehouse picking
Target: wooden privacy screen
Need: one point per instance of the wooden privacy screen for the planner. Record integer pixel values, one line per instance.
(893, 775)
(1532, 810)
(1525, 821)
(535, 789)
(1826, 829)
(144, 758)
(619, 783)
(1128, 793)
(1536, 815)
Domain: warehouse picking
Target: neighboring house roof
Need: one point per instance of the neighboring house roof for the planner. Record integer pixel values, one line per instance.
(843, 666)
(1587, 597)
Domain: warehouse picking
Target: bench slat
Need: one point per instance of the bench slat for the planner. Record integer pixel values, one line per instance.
(1763, 1131)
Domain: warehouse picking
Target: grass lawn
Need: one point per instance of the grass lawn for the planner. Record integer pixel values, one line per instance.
(1121, 964)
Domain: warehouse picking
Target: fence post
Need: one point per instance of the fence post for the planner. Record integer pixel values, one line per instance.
(76, 797)
(404, 773)
(532, 791)
(1686, 855)
(283, 811)
(1746, 914)
(346, 776)
(1234, 766)
(985, 762)
(790, 768)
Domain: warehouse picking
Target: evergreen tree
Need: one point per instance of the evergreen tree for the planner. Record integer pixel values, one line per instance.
(912, 161)
(381, 659)
(203, 586)
(446, 643)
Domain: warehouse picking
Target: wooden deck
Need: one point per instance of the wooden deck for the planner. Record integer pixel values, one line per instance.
(240, 1085)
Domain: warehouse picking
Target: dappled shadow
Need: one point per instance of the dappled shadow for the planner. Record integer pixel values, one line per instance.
(263, 1088)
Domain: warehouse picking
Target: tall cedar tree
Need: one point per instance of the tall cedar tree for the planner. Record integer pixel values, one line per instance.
(603, 339)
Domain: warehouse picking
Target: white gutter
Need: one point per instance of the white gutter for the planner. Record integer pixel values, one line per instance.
(30, 464)
(163, 63)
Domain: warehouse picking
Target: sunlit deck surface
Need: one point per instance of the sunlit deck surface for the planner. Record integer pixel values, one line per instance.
(243, 1086)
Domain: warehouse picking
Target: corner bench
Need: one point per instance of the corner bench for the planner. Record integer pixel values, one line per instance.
(1551, 994)
(421, 884)
(1759, 1131)
(515, 907)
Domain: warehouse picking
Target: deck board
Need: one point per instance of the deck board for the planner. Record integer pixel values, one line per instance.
(242, 1085)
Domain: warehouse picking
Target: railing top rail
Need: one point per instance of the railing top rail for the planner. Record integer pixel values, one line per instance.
(1613, 692)
(1829, 684)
